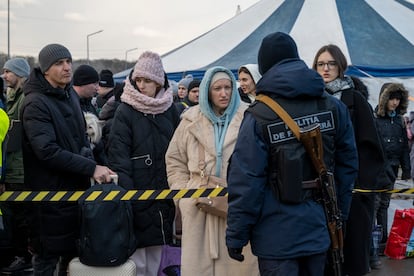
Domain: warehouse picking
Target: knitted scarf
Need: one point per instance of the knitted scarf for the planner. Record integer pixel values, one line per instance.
(148, 105)
(336, 86)
(220, 123)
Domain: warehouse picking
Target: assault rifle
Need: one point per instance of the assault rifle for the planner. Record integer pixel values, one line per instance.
(311, 138)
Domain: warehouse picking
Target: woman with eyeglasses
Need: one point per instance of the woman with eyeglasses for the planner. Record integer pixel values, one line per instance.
(331, 64)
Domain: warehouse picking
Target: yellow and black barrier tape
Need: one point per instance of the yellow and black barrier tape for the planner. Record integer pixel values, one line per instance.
(140, 195)
(132, 195)
(392, 191)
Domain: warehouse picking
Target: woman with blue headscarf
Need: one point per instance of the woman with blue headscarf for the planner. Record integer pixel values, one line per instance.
(213, 125)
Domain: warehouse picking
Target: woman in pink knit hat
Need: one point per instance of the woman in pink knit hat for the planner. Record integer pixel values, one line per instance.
(142, 128)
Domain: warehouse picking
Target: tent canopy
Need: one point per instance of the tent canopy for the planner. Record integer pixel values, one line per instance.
(377, 37)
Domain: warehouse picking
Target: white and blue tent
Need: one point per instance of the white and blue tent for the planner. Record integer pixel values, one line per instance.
(377, 37)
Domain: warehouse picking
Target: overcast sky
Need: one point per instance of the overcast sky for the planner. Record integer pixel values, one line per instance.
(157, 25)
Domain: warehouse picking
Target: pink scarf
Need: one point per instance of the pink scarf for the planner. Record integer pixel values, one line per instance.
(148, 105)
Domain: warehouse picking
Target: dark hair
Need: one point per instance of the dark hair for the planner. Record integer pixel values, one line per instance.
(166, 82)
(245, 70)
(360, 86)
(338, 56)
(395, 95)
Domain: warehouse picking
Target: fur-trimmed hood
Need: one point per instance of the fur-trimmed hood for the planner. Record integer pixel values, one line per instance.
(384, 96)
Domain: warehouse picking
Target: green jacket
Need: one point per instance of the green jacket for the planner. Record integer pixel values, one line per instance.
(14, 160)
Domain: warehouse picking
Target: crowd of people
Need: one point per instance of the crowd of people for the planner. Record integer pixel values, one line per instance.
(64, 130)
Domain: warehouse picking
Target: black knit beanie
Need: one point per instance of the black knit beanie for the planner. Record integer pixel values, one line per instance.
(275, 47)
(106, 78)
(84, 75)
(52, 53)
(194, 83)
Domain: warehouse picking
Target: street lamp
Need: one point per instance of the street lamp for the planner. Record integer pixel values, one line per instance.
(87, 43)
(126, 56)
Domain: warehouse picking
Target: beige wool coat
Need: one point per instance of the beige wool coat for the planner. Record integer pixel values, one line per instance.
(204, 250)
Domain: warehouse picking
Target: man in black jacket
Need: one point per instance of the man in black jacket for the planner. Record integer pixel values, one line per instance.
(106, 88)
(85, 84)
(55, 157)
(192, 97)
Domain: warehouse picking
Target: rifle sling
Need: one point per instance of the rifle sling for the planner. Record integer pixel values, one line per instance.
(272, 104)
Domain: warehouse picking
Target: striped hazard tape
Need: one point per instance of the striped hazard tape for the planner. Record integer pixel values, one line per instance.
(56, 196)
(141, 195)
(393, 191)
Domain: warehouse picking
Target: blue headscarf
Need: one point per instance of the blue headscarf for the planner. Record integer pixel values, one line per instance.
(220, 123)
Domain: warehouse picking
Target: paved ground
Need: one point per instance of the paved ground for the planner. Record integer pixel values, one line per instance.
(394, 267)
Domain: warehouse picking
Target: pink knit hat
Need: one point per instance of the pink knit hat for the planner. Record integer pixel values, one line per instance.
(149, 66)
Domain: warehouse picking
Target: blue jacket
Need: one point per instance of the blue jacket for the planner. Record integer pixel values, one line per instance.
(277, 230)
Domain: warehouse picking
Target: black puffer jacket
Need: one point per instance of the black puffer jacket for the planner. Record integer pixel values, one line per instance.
(53, 138)
(137, 146)
(392, 128)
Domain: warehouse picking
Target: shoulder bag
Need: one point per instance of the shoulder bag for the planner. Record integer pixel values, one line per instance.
(216, 206)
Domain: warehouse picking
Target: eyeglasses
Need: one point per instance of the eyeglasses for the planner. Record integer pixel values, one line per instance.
(331, 64)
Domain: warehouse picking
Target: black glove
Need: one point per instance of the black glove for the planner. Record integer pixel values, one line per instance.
(236, 253)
